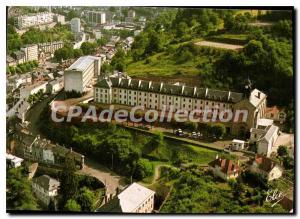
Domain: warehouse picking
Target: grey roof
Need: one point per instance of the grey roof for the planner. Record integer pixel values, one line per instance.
(56, 149)
(172, 89)
(82, 63)
(46, 182)
(270, 131)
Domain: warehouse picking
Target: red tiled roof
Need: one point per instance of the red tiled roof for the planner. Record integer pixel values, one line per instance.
(264, 163)
(227, 166)
(273, 110)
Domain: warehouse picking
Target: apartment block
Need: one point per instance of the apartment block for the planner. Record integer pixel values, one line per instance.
(26, 21)
(81, 72)
(31, 52)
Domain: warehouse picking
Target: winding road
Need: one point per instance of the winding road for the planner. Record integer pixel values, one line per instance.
(92, 168)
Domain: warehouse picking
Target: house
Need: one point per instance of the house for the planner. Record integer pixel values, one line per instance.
(45, 188)
(224, 168)
(237, 144)
(43, 151)
(134, 199)
(275, 114)
(13, 161)
(265, 139)
(267, 167)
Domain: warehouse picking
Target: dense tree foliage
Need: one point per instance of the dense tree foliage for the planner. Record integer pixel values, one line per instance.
(197, 191)
(68, 182)
(19, 195)
(35, 35)
(22, 68)
(85, 199)
(72, 205)
(88, 48)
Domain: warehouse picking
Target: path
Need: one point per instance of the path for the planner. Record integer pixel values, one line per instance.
(108, 177)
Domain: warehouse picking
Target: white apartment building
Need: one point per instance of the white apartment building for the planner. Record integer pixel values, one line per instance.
(96, 17)
(31, 52)
(155, 95)
(45, 188)
(81, 72)
(50, 47)
(26, 21)
(59, 19)
(75, 25)
(136, 199)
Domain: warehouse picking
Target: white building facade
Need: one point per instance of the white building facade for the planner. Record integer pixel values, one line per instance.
(136, 199)
(81, 72)
(31, 52)
(45, 188)
(26, 21)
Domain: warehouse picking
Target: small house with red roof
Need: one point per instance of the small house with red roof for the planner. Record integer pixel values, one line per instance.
(266, 166)
(224, 168)
(276, 114)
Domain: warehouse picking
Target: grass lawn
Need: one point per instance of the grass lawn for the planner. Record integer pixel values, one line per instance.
(161, 64)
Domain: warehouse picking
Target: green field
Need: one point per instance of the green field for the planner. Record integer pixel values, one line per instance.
(161, 64)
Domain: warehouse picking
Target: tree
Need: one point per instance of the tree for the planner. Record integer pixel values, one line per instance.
(77, 53)
(144, 168)
(283, 28)
(86, 199)
(282, 151)
(19, 195)
(154, 44)
(52, 205)
(288, 162)
(218, 130)
(88, 48)
(69, 181)
(72, 205)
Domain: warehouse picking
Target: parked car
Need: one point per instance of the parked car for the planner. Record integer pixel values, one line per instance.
(179, 132)
(194, 135)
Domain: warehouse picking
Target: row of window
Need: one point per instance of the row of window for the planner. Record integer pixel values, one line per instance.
(176, 98)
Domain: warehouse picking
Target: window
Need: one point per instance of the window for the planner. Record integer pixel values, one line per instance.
(155, 95)
(206, 103)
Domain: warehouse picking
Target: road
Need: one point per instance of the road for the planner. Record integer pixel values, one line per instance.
(108, 177)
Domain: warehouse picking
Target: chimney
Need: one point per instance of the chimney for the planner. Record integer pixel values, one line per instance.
(258, 94)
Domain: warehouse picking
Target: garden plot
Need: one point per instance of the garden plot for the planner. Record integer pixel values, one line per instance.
(219, 45)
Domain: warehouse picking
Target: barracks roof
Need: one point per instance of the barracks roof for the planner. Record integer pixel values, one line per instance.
(171, 89)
